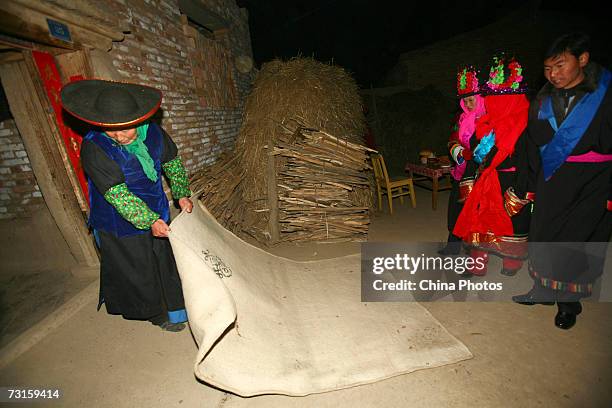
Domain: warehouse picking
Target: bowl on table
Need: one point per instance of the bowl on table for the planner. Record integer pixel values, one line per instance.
(425, 155)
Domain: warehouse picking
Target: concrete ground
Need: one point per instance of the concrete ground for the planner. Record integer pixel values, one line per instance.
(37, 273)
(520, 358)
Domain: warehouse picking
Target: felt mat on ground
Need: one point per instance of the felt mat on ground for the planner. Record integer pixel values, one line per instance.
(266, 324)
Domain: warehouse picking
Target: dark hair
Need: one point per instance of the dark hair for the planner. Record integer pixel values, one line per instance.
(575, 43)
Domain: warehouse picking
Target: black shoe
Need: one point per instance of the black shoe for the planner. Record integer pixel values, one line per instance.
(565, 320)
(566, 316)
(172, 327)
(161, 320)
(530, 298)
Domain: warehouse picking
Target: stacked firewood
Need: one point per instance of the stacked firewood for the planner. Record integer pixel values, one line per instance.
(323, 190)
(323, 187)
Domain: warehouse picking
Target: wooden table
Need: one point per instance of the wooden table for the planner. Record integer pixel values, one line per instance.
(427, 176)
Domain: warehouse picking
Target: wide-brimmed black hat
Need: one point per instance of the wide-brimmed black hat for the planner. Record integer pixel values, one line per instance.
(110, 104)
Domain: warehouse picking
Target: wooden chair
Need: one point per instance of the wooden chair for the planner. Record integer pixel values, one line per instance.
(393, 188)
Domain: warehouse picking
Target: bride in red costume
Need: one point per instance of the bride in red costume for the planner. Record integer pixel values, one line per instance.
(495, 216)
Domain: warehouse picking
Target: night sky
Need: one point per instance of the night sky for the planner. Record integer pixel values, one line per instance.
(367, 37)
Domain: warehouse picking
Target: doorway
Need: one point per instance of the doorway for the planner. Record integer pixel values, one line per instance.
(46, 252)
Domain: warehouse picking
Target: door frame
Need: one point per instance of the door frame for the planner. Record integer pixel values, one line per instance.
(42, 140)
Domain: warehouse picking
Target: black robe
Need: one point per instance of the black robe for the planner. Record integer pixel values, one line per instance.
(571, 207)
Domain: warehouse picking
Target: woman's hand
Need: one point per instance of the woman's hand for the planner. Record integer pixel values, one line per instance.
(160, 229)
(186, 204)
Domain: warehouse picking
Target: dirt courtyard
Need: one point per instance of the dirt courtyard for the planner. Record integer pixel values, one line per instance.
(520, 358)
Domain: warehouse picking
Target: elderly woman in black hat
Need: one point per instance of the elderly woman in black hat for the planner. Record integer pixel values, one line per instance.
(124, 156)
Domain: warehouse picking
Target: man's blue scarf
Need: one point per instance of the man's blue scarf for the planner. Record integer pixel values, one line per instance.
(573, 127)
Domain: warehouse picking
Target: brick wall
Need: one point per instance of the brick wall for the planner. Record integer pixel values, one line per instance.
(155, 53)
(19, 192)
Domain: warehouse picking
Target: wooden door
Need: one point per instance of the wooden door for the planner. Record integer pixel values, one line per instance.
(73, 67)
(37, 124)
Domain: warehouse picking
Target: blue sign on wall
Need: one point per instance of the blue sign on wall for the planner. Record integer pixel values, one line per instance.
(59, 30)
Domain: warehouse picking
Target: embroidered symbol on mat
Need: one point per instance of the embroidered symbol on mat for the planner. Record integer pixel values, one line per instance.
(217, 265)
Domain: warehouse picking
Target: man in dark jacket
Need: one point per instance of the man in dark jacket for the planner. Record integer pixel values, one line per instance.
(571, 123)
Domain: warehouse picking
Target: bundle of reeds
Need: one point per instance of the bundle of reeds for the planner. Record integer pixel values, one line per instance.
(323, 187)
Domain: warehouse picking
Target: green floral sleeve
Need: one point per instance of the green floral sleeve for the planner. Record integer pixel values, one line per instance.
(131, 207)
(179, 182)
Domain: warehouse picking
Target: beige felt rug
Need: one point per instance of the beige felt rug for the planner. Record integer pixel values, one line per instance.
(266, 324)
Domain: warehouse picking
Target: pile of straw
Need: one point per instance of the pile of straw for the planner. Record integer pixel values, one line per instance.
(318, 95)
(309, 115)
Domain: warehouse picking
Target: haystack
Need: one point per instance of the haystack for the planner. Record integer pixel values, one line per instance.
(299, 170)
